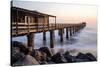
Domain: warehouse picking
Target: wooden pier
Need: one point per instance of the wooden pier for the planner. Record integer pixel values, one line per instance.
(27, 22)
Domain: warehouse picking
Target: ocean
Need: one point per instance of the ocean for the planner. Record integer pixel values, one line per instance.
(83, 41)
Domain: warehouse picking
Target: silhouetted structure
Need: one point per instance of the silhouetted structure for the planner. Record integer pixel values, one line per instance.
(27, 22)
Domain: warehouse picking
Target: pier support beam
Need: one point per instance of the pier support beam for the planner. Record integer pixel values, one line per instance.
(59, 32)
(78, 28)
(30, 40)
(70, 29)
(67, 33)
(44, 36)
(63, 30)
(73, 30)
(51, 39)
(61, 35)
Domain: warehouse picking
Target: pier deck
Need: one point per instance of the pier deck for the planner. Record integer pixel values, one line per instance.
(27, 22)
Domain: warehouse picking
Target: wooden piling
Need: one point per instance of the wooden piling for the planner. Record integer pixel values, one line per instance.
(67, 33)
(76, 29)
(70, 29)
(51, 39)
(61, 35)
(44, 36)
(59, 32)
(63, 30)
(30, 40)
(73, 30)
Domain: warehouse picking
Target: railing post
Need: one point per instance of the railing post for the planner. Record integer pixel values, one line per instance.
(55, 22)
(17, 24)
(48, 23)
(36, 21)
(28, 24)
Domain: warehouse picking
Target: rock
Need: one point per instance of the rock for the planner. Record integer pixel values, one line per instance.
(17, 51)
(27, 60)
(46, 50)
(81, 56)
(58, 58)
(17, 57)
(85, 57)
(40, 56)
(21, 55)
(80, 60)
(50, 62)
(16, 43)
(67, 53)
(91, 57)
(69, 57)
(20, 46)
(43, 62)
(34, 52)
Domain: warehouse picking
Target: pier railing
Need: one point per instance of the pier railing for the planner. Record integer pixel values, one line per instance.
(25, 28)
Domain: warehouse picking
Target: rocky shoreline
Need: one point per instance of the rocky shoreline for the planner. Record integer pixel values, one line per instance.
(22, 55)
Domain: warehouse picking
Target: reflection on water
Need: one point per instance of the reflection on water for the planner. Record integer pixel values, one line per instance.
(84, 41)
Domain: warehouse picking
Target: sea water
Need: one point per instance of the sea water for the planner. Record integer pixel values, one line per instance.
(83, 41)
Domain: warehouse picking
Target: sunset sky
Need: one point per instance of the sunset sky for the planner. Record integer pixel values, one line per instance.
(66, 13)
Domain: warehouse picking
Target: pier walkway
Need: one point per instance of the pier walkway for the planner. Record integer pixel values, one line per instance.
(27, 23)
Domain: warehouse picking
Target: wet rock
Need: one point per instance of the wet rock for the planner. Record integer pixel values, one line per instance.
(21, 47)
(81, 56)
(43, 59)
(58, 58)
(69, 57)
(40, 56)
(27, 60)
(43, 62)
(17, 51)
(91, 57)
(85, 57)
(80, 60)
(16, 58)
(21, 55)
(51, 62)
(46, 50)
(34, 52)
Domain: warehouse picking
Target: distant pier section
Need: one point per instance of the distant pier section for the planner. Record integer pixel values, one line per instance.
(28, 22)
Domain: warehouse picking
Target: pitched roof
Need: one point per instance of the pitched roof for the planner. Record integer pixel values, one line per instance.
(30, 11)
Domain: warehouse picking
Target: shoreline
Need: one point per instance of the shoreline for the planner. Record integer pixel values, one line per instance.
(43, 55)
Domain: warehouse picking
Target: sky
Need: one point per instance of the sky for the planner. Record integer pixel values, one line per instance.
(65, 13)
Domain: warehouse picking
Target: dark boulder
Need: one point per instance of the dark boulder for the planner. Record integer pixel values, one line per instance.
(43, 62)
(40, 56)
(58, 58)
(20, 45)
(85, 57)
(91, 57)
(51, 62)
(17, 51)
(46, 50)
(69, 57)
(81, 56)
